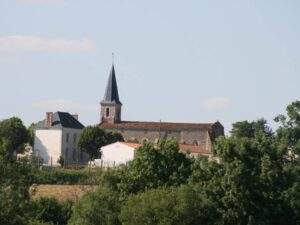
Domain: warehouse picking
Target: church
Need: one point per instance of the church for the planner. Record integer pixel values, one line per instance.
(196, 136)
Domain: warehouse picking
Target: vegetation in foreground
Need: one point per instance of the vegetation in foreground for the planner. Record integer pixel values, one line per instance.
(256, 182)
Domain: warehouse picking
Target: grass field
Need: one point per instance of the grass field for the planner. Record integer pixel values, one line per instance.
(61, 192)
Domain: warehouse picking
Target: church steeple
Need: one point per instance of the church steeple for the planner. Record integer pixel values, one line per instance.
(111, 93)
(111, 105)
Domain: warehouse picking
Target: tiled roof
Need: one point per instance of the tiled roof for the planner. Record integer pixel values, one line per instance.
(184, 148)
(156, 125)
(133, 145)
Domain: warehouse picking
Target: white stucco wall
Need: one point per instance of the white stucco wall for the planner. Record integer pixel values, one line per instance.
(47, 145)
(115, 154)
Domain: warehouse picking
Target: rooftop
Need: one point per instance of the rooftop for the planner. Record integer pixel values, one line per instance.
(157, 125)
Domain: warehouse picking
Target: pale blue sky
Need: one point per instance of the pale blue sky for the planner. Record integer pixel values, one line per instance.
(187, 61)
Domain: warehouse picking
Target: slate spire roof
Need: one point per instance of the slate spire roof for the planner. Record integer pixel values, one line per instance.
(111, 92)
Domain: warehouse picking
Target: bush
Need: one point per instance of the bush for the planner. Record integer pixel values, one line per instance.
(65, 176)
(99, 207)
(49, 210)
(153, 167)
(180, 206)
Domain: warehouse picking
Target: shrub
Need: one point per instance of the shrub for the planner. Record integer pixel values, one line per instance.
(99, 207)
(65, 176)
(49, 210)
(180, 206)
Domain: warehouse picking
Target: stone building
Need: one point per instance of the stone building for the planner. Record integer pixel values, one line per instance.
(197, 135)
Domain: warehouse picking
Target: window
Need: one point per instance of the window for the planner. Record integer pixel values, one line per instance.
(107, 112)
(67, 137)
(66, 153)
(195, 142)
(74, 138)
(74, 154)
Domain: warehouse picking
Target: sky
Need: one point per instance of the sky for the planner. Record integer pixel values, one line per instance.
(179, 61)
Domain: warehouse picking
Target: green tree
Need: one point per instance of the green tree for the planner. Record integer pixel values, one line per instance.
(16, 177)
(113, 136)
(93, 138)
(13, 136)
(250, 190)
(288, 141)
(49, 210)
(95, 208)
(180, 206)
(249, 129)
(31, 133)
(155, 166)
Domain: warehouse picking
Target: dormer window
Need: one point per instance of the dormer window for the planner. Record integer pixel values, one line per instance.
(107, 112)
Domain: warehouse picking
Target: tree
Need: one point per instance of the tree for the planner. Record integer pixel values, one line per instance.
(249, 129)
(16, 177)
(164, 206)
(13, 136)
(288, 142)
(113, 136)
(31, 133)
(250, 191)
(152, 167)
(93, 138)
(49, 210)
(99, 207)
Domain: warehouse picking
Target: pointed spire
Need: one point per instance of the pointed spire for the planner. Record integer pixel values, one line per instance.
(111, 93)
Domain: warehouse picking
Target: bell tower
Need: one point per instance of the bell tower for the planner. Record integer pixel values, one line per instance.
(111, 105)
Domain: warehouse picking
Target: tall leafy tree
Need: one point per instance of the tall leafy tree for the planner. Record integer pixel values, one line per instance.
(288, 141)
(249, 129)
(93, 138)
(13, 136)
(155, 166)
(15, 180)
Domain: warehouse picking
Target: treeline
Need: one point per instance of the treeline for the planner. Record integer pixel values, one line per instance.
(256, 181)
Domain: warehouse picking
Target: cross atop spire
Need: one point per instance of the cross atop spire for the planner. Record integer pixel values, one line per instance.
(111, 92)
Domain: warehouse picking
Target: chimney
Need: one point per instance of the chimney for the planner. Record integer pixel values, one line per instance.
(75, 116)
(49, 119)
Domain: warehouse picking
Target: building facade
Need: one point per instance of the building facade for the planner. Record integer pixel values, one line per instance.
(200, 135)
(56, 137)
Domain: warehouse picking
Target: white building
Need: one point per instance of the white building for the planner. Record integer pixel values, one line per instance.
(120, 153)
(116, 154)
(56, 137)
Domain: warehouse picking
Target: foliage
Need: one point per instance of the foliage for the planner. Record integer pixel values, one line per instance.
(253, 180)
(100, 207)
(67, 176)
(31, 133)
(61, 161)
(249, 129)
(113, 136)
(93, 138)
(154, 167)
(15, 180)
(13, 136)
(49, 210)
(180, 206)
